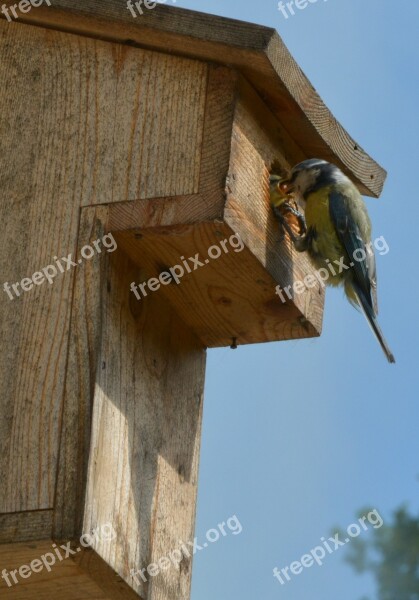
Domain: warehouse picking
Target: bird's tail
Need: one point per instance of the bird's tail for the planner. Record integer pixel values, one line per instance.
(372, 321)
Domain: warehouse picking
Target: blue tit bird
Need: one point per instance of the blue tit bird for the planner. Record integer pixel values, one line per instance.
(338, 233)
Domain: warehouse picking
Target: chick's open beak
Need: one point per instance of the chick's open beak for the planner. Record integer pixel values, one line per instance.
(286, 186)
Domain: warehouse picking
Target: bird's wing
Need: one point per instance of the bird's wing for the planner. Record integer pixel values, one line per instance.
(345, 222)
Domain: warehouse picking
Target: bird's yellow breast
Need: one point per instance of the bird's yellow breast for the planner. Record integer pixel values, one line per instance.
(317, 209)
(326, 244)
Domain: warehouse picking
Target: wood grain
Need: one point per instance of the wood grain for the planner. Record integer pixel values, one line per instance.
(80, 383)
(103, 123)
(158, 124)
(218, 126)
(104, 576)
(40, 220)
(142, 372)
(142, 475)
(85, 578)
(23, 526)
(258, 52)
(133, 119)
(229, 297)
(258, 143)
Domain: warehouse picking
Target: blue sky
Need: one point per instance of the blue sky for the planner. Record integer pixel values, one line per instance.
(300, 435)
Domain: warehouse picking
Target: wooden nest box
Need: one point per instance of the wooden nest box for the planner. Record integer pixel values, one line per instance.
(158, 132)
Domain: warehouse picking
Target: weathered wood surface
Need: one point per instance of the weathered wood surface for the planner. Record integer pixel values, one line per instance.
(40, 189)
(82, 577)
(82, 368)
(143, 372)
(88, 133)
(24, 526)
(258, 142)
(257, 51)
(144, 453)
(157, 124)
(226, 298)
(104, 576)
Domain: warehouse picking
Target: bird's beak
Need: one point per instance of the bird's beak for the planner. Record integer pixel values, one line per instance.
(286, 187)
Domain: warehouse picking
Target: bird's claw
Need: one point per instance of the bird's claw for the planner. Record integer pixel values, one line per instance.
(299, 215)
(300, 242)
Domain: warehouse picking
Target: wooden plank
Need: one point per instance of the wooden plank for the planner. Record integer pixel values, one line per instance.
(255, 50)
(209, 203)
(141, 112)
(106, 578)
(230, 297)
(218, 126)
(258, 143)
(67, 579)
(166, 211)
(83, 365)
(31, 525)
(74, 133)
(40, 217)
(147, 412)
(158, 120)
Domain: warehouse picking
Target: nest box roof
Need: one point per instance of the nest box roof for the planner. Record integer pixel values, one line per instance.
(256, 51)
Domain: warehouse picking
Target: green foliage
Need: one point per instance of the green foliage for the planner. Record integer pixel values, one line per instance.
(391, 553)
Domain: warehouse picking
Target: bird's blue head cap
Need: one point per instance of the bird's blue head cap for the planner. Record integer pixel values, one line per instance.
(310, 175)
